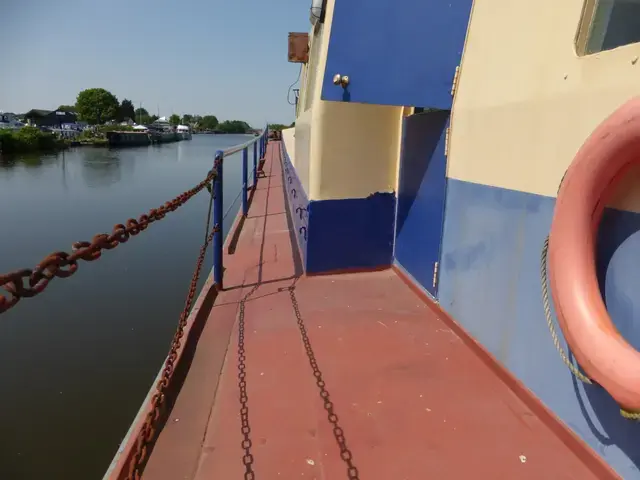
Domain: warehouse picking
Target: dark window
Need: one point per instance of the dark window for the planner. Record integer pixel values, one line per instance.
(608, 24)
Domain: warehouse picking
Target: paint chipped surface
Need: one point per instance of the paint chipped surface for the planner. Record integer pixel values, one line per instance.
(404, 414)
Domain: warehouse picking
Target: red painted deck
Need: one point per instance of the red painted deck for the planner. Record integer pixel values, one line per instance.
(415, 400)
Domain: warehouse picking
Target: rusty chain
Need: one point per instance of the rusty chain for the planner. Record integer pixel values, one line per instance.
(338, 432)
(332, 417)
(28, 282)
(148, 430)
(247, 459)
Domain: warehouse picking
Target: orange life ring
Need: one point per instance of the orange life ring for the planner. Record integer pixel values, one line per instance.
(599, 348)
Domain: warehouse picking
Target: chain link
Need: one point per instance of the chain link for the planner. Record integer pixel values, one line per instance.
(28, 282)
(147, 433)
(338, 432)
(247, 458)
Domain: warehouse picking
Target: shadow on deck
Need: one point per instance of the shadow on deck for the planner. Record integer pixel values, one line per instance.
(414, 397)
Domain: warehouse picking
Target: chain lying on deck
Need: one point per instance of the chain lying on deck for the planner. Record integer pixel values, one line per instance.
(338, 432)
(247, 459)
(554, 334)
(28, 282)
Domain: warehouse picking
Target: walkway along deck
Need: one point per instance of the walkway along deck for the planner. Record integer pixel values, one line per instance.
(414, 396)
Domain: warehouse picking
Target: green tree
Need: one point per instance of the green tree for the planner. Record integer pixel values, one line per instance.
(233, 126)
(174, 119)
(67, 108)
(142, 116)
(208, 122)
(277, 127)
(127, 110)
(97, 105)
(187, 119)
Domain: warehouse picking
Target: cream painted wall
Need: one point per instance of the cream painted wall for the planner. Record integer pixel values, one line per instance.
(288, 138)
(302, 138)
(357, 150)
(526, 102)
(345, 150)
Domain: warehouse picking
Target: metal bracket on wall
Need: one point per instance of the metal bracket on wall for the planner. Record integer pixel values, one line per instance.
(435, 274)
(454, 84)
(446, 141)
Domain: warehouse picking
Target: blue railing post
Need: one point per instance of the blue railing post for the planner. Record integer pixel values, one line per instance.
(245, 166)
(255, 165)
(218, 212)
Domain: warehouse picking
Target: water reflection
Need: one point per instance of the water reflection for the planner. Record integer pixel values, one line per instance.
(101, 167)
(83, 354)
(28, 160)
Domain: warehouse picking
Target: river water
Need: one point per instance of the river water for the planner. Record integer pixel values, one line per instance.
(77, 361)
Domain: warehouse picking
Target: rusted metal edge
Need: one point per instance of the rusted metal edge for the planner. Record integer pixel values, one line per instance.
(118, 465)
(579, 447)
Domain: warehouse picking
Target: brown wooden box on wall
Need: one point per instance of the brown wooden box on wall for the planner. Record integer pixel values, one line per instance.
(298, 47)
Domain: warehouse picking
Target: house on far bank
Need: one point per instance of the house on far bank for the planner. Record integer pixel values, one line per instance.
(49, 118)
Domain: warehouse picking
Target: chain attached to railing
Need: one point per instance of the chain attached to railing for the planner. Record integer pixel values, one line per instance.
(148, 431)
(28, 282)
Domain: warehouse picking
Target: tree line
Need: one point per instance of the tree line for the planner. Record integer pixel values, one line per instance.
(97, 106)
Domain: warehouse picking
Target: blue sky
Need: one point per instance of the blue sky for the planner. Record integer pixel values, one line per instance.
(221, 57)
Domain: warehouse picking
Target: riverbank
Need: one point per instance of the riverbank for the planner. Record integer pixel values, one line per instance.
(30, 140)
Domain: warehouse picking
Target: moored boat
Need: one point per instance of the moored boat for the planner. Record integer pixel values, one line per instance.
(128, 138)
(381, 308)
(184, 131)
(438, 186)
(161, 131)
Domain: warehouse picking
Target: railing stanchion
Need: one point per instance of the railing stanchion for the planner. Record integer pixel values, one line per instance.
(255, 165)
(218, 212)
(245, 167)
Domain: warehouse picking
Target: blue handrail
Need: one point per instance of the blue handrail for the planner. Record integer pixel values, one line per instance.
(259, 144)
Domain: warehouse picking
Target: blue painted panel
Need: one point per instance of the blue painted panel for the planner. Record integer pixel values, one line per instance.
(403, 52)
(298, 203)
(340, 234)
(354, 233)
(490, 283)
(421, 195)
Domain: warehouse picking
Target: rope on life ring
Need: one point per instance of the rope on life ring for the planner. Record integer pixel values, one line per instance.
(546, 301)
(568, 262)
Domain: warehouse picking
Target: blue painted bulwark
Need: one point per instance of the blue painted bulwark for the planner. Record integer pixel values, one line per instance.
(421, 196)
(355, 233)
(298, 204)
(396, 53)
(490, 283)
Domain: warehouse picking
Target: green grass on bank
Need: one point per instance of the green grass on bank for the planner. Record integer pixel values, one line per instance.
(29, 139)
